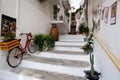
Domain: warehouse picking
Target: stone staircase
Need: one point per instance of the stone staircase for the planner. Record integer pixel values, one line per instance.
(70, 43)
(66, 62)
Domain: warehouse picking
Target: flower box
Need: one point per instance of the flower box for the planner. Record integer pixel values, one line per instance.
(9, 45)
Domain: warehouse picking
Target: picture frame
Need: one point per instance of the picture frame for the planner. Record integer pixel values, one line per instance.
(8, 25)
(106, 11)
(113, 13)
(102, 14)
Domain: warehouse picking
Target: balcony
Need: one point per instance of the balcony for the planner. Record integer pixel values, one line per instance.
(59, 22)
(58, 16)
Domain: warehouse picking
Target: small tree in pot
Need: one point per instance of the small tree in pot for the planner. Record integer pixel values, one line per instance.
(88, 47)
(91, 74)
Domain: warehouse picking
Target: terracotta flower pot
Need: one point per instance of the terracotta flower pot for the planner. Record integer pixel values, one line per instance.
(54, 32)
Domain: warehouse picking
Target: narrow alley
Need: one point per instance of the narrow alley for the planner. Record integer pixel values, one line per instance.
(59, 40)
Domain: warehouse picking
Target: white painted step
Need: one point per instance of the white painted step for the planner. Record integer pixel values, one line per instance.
(7, 75)
(62, 48)
(62, 56)
(71, 39)
(71, 36)
(74, 71)
(72, 44)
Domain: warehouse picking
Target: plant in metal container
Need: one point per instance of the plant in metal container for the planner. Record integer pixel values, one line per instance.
(91, 74)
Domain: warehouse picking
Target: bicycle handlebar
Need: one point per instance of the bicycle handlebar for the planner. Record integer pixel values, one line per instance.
(27, 34)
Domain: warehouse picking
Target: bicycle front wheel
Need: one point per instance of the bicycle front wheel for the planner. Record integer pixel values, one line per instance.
(14, 57)
(31, 46)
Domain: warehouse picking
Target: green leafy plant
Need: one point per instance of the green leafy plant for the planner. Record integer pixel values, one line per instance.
(91, 74)
(55, 11)
(81, 28)
(9, 37)
(88, 47)
(92, 63)
(66, 12)
(86, 30)
(90, 37)
(43, 42)
(80, 10)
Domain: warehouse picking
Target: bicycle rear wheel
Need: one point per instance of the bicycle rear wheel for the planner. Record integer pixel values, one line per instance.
(14, 57)
(31, 46)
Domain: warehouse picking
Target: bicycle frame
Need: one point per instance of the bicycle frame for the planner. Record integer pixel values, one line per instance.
(16, 54)
(28, 37)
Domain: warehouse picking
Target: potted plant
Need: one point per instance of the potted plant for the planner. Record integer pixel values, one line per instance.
(48, 42)
(80, 10)
(10, 36)
(86, 31)
(67, 13)
(89, 46)
(81, 27)
(43, 42)
(91, 74)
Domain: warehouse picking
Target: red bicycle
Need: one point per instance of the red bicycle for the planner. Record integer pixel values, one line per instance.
(15, 55)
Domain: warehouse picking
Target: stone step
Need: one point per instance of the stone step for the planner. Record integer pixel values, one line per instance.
(61, 62)
(66, 52)
(70, 44)
(62, 56)
(68, 48)
(44, 75)
(71, 38)
(67, 70)
(58, 63)
(11, 75)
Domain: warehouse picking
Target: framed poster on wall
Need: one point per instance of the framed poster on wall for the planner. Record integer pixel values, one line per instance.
(106, 11)
(102, 14)
(8, 25)
(113, 13)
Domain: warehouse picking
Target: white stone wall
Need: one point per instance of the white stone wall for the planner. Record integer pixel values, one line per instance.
(32, 16)
(109, 34)
(10, 8)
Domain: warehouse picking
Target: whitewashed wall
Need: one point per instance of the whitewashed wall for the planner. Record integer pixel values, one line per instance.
(10, 8)
(109, 34)
(34, 16)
